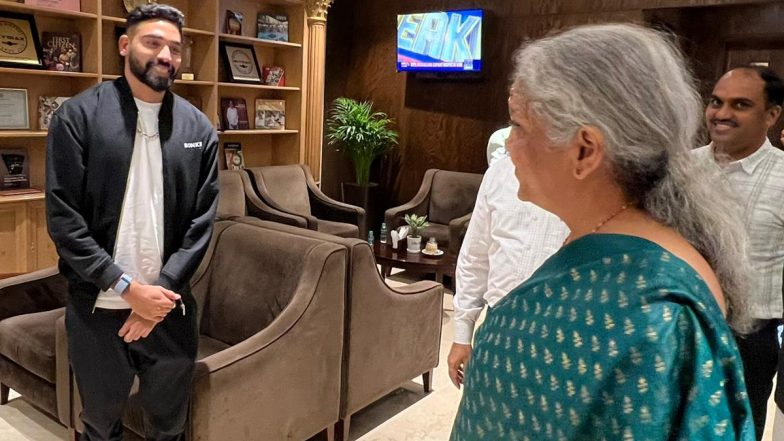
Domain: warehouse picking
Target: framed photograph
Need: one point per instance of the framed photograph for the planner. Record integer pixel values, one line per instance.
(270, 114)
(70, 5)
(130, 5)
(13, 109)
(19, 43)
(241, 63)
(233, 22)
(234, 114)
(14, 169)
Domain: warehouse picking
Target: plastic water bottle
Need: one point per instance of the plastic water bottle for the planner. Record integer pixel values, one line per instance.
(370, 237)
(382, 235)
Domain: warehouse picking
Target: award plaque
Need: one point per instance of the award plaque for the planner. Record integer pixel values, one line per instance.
(19, 43)
(13, 109)
(241, 63)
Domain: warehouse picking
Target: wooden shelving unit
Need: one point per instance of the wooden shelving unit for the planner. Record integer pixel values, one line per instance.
(27, 246)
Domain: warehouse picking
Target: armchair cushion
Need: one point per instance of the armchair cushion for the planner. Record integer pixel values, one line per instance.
(244, 300)
(453, 195)
(286, 186)
(29, 341)
(338, 228)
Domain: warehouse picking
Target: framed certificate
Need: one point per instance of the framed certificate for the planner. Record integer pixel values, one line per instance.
(19, 43)
(13, 109)
(241, 63)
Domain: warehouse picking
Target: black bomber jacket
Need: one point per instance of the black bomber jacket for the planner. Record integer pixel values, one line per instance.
(88, 157)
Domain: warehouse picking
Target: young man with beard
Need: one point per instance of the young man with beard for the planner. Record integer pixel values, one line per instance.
(131, 194)
(745, 103)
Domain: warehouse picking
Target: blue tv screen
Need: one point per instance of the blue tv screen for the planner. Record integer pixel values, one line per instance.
(449, 41)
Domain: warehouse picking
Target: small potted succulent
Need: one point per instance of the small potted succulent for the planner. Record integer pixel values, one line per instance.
(415, 225)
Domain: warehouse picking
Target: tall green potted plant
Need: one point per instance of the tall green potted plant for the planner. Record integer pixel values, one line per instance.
(363, 135)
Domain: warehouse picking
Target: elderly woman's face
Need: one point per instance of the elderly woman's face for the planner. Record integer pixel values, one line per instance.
(540, 166)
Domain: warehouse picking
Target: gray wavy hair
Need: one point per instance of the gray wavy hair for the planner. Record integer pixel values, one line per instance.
(633, 84)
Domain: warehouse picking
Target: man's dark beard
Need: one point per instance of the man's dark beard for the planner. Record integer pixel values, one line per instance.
(145, 74)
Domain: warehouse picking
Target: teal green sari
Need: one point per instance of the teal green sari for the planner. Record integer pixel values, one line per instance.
(613, 338)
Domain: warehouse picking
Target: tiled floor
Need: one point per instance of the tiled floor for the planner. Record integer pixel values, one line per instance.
(406, 414)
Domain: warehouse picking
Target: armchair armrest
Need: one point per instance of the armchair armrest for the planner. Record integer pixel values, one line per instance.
(384, 323)
(64, 386)
(419, 204)
(457, 231)
(38, 291)
(324, 207)
(260, 209)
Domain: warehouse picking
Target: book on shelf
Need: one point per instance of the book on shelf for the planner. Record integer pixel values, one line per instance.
(14, 169)
(233, 153)
(62, 51)
(273, 76)
(70, 5)
(234, 114)
(270, 114)
(47, 105)
(272, 27)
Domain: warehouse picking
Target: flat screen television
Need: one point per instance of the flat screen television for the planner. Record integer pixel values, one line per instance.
(447, 41)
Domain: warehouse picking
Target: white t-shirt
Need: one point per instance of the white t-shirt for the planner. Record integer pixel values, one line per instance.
(139, 247)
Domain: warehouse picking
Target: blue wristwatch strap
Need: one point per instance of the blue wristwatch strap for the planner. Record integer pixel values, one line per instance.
(122, 285)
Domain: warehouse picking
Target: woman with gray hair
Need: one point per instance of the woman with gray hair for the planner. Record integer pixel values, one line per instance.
(622, 333)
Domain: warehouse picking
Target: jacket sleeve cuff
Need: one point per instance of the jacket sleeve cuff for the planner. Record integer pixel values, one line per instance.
(166, 282)
(109, 276)
(464, 331)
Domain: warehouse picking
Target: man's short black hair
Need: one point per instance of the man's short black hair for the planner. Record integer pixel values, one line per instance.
(155, 11)
(774, 85)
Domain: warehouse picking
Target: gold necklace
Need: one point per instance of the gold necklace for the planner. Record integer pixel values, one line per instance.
(601, 224)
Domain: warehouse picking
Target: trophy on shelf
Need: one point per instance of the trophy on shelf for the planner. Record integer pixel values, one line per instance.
(186, 67)
(130, 5)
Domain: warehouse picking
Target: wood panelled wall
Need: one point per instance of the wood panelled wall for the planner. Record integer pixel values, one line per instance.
(445, 124)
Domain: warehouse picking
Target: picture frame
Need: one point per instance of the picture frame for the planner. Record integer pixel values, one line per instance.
(13, 109)
(241, 63)
(234, 114)
(19, 42)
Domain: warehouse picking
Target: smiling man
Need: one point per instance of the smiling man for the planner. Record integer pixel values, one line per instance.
(744, 105)
(131, 194)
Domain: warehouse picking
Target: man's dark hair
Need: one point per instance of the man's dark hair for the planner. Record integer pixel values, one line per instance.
(155, 11)
(774, 85)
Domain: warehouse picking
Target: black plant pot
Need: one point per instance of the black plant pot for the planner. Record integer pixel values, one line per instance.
(367, 197)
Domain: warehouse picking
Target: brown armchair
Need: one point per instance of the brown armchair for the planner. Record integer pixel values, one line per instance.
(30, 363)
(391, 334)
(447, 198)
(291, 190)
(238, 198)
(270, 338)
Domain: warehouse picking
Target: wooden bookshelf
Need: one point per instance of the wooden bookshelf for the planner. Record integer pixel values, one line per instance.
(27, 246)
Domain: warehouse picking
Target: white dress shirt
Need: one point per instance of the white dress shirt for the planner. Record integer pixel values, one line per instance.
(507, 240)
(139, 247)
(758, 182)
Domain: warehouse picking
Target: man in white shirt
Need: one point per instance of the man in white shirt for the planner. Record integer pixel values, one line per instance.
(131, 195)
(506, 241)
(744, 105)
